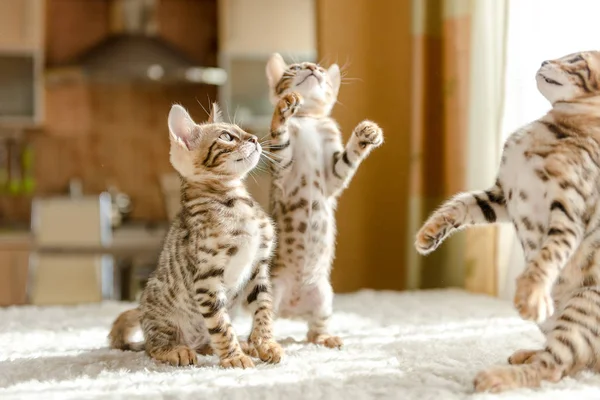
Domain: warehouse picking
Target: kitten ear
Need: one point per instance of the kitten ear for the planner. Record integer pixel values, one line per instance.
(181, 125)
(335, 77)
(275, 69)
(215, 114)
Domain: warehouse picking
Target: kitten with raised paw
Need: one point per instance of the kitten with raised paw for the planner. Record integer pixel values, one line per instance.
(216, 254)
(312, 169)
(548, 188)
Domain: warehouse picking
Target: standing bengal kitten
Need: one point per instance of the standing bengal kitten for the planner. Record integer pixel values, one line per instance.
(313, 169)
(548, 186)
(216, 252)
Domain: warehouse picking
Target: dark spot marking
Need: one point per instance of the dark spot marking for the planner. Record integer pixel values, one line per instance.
(206, 250)
(557, 205)
(486, 209)
(212, 273)
(527, 223)
(260, 288)
(302, 227)
(523, 196)
(232, 251)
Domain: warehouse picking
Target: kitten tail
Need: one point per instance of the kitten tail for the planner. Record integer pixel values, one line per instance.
(122, 330)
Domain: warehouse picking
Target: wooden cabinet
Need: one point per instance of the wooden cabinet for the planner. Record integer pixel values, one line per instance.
(21, 62)
(21, 24)
(14, 269)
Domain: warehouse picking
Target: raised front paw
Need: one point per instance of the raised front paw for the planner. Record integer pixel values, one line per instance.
(289, 105)
(532, 298)
(237, 361)
(430, 236)
(369, 134)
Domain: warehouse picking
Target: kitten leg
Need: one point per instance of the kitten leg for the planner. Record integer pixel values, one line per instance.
(499, 379)
(572, 345)
(279, 144)
(532, 296)
(212, 301)
(366, 136)
(260, 304)
(321, 297)
(163, 343)
(478, 207)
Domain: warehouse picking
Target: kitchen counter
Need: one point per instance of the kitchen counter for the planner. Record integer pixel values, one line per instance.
(128, 239)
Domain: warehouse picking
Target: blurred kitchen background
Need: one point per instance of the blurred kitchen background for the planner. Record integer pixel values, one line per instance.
(86, 189)
(85, 88)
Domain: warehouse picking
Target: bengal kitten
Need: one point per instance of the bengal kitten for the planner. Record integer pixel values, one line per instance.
(312, 170)
(217, 251)
(548, 186)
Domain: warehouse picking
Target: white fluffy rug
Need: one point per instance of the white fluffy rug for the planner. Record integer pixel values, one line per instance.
(418, 345)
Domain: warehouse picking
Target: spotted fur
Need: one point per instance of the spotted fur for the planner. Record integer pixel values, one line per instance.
(313, 169)
(548, 187)
(216, 254)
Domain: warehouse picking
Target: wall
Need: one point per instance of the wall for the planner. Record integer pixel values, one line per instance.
(373, 38)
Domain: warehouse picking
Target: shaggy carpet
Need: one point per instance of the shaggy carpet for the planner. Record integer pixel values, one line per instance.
(413, 345)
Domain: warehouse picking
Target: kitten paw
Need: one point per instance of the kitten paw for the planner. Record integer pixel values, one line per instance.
(237, 361)
(332, 342)
(495, 380)
(269, 351)
(289, 105)
(369, 134)
(429, 237)
(181, 356)
(533, 299)
(522, 357)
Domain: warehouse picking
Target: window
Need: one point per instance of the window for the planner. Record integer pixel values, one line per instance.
(539, 30)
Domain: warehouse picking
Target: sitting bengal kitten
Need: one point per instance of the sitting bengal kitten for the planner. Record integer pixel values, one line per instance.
(217, 250)
(548, 186)
(312, 170)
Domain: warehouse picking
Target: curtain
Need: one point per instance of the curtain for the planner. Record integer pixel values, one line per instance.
(526, 48)
(458, 68)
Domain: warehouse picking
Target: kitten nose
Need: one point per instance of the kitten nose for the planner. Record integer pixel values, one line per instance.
(311, 67)
(545, 62)
(253, 139)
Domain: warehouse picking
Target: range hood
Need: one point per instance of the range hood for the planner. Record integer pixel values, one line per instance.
(135, 52)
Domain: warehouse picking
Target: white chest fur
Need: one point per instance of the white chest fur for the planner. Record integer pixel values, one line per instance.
(239, 266)
(307, 146)
(519, 179)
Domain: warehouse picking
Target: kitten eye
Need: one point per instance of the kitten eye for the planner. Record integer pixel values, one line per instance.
(226, 137)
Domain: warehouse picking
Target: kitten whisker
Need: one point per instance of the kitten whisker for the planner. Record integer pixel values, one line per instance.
(207, 113)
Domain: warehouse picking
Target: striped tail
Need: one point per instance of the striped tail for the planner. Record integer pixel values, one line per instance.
(122, 330)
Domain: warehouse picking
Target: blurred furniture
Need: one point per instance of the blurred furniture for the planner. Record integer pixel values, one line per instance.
(14, 265)
(170, 187)
(249, 32)
(71, 222)
(21, 62)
